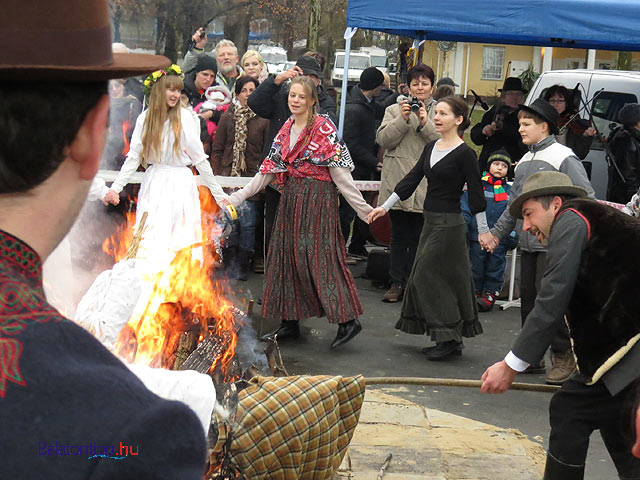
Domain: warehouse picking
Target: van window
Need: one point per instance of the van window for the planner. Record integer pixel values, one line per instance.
(356, 62)
(605, 110)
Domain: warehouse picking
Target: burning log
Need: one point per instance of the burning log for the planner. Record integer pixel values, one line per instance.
(207, 353)
(274, 359)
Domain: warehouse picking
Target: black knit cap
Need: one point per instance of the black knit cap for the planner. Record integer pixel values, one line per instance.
(629, 115)
(309, 66)
(206, 62)
(371, 78)
(500, 155)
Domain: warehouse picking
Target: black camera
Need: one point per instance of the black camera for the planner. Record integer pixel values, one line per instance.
(414, 103)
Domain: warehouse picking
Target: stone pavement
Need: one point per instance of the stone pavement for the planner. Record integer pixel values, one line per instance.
(432, 445)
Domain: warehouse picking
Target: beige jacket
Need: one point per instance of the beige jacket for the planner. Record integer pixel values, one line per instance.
(403, 147)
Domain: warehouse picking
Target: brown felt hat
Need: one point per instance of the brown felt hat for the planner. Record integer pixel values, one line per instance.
(545, 183)
(64, 40)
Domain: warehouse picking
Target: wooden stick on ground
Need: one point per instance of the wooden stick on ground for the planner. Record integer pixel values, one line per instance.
(455, 382)
(384, 467)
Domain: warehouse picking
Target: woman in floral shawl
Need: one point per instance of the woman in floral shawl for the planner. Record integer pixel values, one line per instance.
(307, 273)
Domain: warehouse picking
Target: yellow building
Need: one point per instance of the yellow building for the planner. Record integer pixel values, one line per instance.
(483, 67)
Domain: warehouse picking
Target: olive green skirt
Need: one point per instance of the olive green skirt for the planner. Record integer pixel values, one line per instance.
(439, 299)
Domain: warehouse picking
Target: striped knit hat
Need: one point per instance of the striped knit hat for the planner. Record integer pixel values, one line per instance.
(499, 155)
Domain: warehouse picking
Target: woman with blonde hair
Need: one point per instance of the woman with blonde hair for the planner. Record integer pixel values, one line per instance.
(166, 141)
(307, 273)
(254, 66)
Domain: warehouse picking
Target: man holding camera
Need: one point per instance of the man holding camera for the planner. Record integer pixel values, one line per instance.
(499, 126)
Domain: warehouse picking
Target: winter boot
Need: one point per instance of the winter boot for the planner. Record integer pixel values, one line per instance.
(563, 367)
(394, 293)
(556, 470)
(288, 330)
(486, 301)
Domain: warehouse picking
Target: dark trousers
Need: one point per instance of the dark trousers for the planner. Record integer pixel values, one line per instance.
(347, 217)
(405, 236)
(487, 268)
(576, 410)
(532, 265)
(271, 201)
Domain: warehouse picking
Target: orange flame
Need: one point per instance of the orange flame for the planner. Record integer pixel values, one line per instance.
(116, 245)
(181, 299)
(126, 126)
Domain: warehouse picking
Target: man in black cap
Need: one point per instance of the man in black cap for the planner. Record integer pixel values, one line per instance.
(360, 136)
(270, 100)
(591, 283)
(499, 126)
(197, 82)
(69, 409)
(537, 128)
(446, 81)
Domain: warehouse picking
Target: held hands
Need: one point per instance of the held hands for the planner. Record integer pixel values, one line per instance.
(111, 197)
(288, 75)
(488, 241)
(375, 214)
(405, 110)
(497, 378)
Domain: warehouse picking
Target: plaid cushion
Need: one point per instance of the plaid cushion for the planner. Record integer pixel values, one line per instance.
(294, 428)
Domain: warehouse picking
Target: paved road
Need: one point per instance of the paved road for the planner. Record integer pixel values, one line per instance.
(380, 350)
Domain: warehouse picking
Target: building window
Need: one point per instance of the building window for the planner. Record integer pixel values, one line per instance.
(492, 63)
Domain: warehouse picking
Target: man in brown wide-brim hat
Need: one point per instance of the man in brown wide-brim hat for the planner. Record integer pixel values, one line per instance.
(69, 409)
(590, 282)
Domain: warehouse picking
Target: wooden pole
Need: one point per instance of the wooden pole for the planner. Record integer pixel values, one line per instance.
(455, 382)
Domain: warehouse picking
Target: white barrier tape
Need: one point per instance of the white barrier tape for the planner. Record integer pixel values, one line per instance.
(232, 182)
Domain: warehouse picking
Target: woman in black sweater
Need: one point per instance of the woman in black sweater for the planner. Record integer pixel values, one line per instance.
(439, 299)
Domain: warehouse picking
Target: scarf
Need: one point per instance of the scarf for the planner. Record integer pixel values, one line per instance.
(499, 193)
(241, 116)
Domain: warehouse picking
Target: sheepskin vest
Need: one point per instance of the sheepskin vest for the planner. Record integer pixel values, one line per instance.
(604, 311)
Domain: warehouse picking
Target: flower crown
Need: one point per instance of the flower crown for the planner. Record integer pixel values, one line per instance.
(151, 80)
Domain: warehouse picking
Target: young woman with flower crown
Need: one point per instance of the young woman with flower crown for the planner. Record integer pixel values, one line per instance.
(166, 141)
(307, 273)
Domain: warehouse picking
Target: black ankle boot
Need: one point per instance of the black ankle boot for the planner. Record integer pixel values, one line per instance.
(289, 329)
(556, 470)
(346, 331)
(443, 350)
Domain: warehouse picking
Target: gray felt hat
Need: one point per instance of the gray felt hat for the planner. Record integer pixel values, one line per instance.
(545, 183)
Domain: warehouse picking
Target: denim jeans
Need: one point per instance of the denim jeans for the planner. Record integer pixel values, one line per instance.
(243, 234)
(488, 268)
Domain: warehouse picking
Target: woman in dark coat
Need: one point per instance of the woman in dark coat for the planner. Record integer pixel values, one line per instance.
(439, 299)
(237, 152)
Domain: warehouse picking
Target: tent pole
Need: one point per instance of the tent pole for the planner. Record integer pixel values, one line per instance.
(348, 34)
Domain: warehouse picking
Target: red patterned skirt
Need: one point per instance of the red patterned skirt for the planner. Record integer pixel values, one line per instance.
(306, 272)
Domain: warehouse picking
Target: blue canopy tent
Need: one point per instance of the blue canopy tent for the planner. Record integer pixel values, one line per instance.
(590, 24)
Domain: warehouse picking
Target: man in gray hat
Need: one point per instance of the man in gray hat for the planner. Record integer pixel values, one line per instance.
(67, 405)
(590, 282)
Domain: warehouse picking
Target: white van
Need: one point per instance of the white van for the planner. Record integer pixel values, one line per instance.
(613, 89)
(378, 58)
(357, 63)
(274, 57)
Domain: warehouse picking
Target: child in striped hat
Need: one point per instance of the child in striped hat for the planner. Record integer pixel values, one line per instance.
(488, 268)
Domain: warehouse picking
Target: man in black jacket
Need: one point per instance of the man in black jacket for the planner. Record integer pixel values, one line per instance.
(499, 126)
(590, 282)
(270, 100)
(69, 409)
(360, 136)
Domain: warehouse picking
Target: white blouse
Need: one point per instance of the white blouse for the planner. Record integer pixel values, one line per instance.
(191, 153)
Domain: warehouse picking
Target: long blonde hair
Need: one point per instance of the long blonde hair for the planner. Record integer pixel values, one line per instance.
(157, 115)
(311, 94)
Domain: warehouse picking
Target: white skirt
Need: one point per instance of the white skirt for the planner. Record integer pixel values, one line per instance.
(169, 194)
